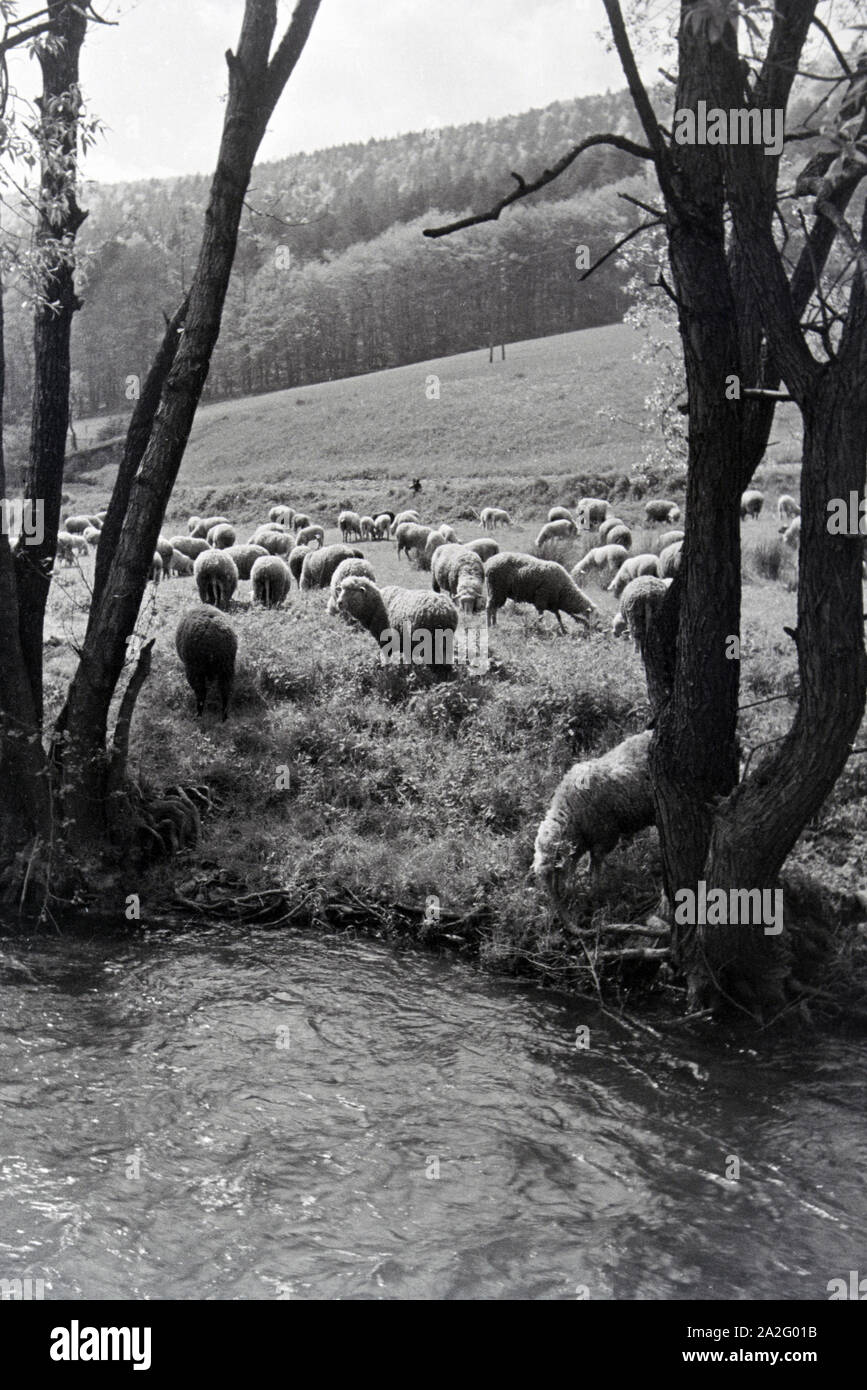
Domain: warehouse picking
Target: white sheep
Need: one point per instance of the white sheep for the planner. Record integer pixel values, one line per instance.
(544, 583)
(484, 547)
(199, 526)
(619, 535)
(459, 571)
(245, 557)
(189, 545)
(92, 535)
(308, 534)
(792, 534)
(752, 502)
(221, 537)
(216, 577)
(285, 515)
(660, 509)
(410, 536)
(591, 512)
(77, 525)
(640, 602)
(343, 571)
(410, 515)
(597, 803)
(295, 561)
(555, 531)
(404, 615)
(561, 514)
(155, 573)
(68, 545)
(669, 560)
(271, 580)
(434, 540)
(631, 569)
(603, 560)
(668, 538)
(349, 526)
(179, 564)
(319, 565)
(368, 528)
(301, 519)
(787, 509)
(382, 526)
(492, 517)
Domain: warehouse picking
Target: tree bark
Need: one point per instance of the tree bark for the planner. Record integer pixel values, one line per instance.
(255, 84)
(59, 220)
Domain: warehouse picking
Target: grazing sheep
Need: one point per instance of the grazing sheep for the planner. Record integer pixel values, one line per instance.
(216, 576)
(179, 564)
(484, 547)
(752, 502)
(368, 528)
(401, 517)
(410, 536)
(201, 525)
(555, 531)
(459, 571)
(189, 545)
(659, 509)
(631, 569)
(642, 598)
(619, 535)
(319, 565)
(285, 515)
(271, 580)
(527, 579)
(448, 533)
(245, 557)
(561, 514)
(787, 509)
(403, 615)
(669, 560)
(597, 803)
(76, 525)
(668, 538)
(792, 534)
(603, 560)
(274, 541)
(382, 525)
(344, 569)
(301, 520)
(492, 517)
(92, 535)
(165, 549)
(155, 573)
(221, 537)
(67, 546)
(308, 534)
(608, 525)
(349, 525)
(591, 512)
(207, 645)
(434, 540)
(296, 561)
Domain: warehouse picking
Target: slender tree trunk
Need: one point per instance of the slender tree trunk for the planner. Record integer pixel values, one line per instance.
(255, 84)
(59, 220)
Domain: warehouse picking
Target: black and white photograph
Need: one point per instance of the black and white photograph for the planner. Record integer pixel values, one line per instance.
(433, 754)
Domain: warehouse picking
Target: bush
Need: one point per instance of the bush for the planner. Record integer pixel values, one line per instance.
(769, 557)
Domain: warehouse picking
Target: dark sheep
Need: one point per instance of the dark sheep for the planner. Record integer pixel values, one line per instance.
(207, 645)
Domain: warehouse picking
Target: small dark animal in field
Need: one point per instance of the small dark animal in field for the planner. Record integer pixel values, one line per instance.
(207, 644)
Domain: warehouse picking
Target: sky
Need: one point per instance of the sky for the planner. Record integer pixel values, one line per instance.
(371, 68)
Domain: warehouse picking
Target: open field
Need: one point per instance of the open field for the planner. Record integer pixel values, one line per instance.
(400, 788)
(550, 423)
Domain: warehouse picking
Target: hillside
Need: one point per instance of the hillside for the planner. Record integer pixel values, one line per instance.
(567, 409)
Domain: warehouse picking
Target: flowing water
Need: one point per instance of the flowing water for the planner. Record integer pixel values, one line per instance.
(273, 1116)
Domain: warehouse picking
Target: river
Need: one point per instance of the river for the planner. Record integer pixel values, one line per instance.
(268, 1115)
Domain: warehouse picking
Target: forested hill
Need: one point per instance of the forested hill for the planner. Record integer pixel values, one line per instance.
(333, 276)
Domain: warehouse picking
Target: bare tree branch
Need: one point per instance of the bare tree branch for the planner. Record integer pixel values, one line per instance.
(645, 226)
(619, 142)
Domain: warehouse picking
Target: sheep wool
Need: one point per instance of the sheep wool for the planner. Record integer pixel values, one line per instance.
(271, 580)
(216, 577)
(597, 803)
(544, 583)
(207, 645)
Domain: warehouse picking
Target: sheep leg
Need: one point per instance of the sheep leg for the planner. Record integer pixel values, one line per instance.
(560, 621)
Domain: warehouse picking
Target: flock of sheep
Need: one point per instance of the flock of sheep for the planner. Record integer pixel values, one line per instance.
(599, 801)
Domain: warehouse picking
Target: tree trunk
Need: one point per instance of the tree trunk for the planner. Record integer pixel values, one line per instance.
(255, 85)
(59, 220)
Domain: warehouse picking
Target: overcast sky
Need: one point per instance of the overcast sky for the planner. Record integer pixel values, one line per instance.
(371, 68)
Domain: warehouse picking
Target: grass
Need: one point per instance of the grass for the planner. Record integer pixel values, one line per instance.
(400, 788)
